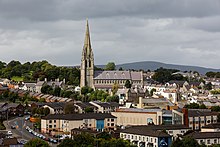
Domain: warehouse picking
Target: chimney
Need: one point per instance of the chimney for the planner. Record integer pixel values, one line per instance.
(45, 79)
(185, 116)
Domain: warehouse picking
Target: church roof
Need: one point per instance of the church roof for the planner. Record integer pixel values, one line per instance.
(117, 75)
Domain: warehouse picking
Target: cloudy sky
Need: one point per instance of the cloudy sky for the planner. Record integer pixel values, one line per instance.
(171, 31)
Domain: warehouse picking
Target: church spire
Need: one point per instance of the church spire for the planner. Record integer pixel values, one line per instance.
(87, 43)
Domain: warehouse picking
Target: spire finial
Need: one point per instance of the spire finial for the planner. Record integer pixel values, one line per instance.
(87, 37)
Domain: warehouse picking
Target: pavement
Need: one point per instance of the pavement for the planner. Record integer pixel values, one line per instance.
(20, 132)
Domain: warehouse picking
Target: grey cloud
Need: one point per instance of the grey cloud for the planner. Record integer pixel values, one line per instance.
(182, 32)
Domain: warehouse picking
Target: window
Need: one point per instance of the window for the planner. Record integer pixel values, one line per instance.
(50, 126)
(54, 121)
(54, 126)
(208, 141)
(155, 140)
(215, 141)
(107, 124)
(132, 137)
(50, 121)
(112, 119)
(112, 124)
(201, 141)
(170, 132)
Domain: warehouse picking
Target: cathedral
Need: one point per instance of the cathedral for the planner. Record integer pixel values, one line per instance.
(103, 79)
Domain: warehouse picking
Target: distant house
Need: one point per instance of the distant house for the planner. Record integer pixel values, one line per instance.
(11, 109)
(54, 84)
(207, 138)
(55, 107)
(82, 106)
(105, 107)
(29, 87)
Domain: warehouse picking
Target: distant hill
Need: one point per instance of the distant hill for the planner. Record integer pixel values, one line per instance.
(145, 65)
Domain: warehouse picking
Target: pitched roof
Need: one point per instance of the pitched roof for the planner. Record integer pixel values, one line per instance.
(145, 131)
(56, 105)
(197, 113)
(204, 135)
(213, 126)
(106, 104)
(79, 116)
(117, 75)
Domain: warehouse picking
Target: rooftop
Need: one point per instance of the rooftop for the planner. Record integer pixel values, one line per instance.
(79, 116)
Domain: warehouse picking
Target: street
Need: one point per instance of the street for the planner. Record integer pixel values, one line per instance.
(20, 131)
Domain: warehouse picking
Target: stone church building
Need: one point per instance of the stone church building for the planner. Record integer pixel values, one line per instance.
(103, 79)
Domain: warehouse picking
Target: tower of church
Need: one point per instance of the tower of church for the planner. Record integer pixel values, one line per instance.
(87, 62)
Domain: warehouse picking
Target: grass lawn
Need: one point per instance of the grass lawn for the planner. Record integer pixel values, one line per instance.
(17, 79)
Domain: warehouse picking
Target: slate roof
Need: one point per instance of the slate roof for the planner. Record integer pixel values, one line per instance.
(106, 104)
(84, 105)
(160, 127)
(204, 135)
(138, 110)
(30, 84)
(145, 131)
(82, 116)
(180, 83)
(197, 113)
(117, 75)
(40, 83)
(213, 126)
(56, 105)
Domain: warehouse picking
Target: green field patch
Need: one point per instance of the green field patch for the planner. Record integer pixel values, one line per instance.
(17, 79)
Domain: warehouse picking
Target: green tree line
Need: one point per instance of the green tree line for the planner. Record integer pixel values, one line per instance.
(30, 72)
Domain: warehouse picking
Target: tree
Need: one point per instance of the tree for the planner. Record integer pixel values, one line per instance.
(215, 108)
(127, 84)
(218, 117)
(84, 90)
(202, 106)
(67, 143)
(152, 91)
(120, 69)
(110, 66)
(56, 91)
(46, 111)
(192, 106)
(208, 86)
(36, 142)
(189, 142)
(69, 108)
(185, 142)
(89, 110)
(115, 88)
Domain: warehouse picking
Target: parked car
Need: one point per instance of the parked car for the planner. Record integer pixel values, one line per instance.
(9, 133)
(13, 127)
(23, 141)
(27, 118)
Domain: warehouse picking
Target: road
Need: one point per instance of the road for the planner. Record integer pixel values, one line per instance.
(20, 132)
